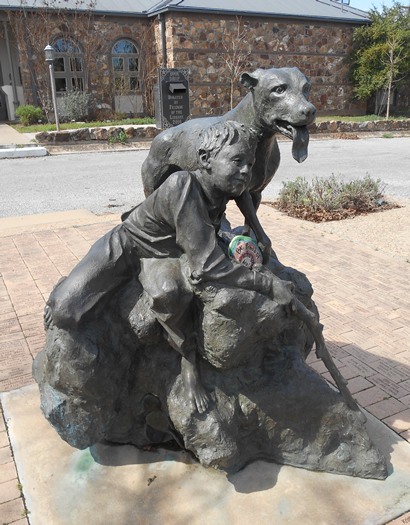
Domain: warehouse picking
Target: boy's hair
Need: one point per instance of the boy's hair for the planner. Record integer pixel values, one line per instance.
(214, 138)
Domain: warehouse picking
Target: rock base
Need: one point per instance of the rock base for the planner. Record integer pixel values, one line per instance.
(116, 379)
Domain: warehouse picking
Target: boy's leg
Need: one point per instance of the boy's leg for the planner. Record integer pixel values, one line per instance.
(171, 298)
(105, 267)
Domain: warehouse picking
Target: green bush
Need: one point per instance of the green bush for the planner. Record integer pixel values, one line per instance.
(76, 105)
(29, 114)
(331, 198)
(119, 136)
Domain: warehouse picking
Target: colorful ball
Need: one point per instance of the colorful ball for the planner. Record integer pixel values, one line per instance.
(245, 250)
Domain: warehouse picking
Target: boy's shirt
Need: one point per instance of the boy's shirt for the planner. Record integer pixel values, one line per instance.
(177, 219)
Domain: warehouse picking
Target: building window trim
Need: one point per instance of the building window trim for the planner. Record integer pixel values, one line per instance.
(68, 66)
(125, 64)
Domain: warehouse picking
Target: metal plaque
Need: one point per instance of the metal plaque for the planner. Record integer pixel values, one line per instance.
(173, 96)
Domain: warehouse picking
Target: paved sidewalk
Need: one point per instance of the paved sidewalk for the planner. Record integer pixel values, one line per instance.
(362, 295)
(15, 145)
(9, 136)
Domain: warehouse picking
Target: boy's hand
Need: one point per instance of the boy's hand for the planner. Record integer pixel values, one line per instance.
(282, 291)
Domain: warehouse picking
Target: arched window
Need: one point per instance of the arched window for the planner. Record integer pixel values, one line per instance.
(68, 66)
(124, 57)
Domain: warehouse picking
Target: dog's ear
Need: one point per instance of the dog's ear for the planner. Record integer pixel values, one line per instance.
(249, 80)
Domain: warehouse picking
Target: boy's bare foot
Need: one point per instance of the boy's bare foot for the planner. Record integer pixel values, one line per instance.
(193, 386)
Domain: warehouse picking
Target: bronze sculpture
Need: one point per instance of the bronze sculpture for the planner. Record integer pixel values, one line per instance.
(277, 103)
(238, 388)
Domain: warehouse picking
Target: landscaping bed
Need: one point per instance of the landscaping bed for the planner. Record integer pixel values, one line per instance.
(331, 199)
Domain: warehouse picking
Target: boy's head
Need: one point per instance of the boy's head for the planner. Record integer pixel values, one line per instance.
(226, 153)
(214, 138)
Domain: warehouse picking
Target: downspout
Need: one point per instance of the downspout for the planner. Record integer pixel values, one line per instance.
(13, 78)
(161, 18)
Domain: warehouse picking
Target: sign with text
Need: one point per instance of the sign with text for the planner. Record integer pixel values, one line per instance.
(173, 96)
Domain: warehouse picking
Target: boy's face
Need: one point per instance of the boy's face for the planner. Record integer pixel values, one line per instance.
(231, 169)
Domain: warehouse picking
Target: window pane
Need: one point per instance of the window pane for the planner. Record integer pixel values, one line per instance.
(118, 64)
(133, 64)
(119, 83)
(61, 84)
(76, 64)
(64, 45)
(77, 84)
(59, 64)
(134, 83)
(124, 46)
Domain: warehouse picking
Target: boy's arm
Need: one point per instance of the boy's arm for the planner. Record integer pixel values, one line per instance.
(196, 236)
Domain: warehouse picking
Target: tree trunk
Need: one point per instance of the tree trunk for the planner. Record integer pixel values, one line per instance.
(389, 87)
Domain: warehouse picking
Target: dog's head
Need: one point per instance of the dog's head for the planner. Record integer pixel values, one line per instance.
(281, 104)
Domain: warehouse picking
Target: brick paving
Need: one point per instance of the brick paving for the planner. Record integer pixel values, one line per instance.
(362, 295)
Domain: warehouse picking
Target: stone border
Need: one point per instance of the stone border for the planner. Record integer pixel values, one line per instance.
(101, 134)
(370, 126)
(148, 132)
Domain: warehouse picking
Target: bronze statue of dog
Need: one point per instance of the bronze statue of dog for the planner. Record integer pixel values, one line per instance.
(277, 103)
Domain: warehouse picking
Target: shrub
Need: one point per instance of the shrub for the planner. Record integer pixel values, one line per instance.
(331, 198)
(29, 114)
(118, 136)
(76, 105)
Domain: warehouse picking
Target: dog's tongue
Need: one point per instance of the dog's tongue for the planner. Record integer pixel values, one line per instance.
(300, 143)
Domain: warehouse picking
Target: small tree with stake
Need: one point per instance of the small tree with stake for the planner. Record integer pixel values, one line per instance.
(381, 53)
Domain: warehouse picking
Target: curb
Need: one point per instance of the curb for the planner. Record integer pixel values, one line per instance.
(16, 151)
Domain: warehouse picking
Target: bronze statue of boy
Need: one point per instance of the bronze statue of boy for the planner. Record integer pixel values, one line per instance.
(181, 218)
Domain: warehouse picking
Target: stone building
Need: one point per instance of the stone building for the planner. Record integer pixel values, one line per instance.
(112, 48)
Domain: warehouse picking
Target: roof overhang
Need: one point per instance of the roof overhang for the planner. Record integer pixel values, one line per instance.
(147, 9)
(261, 14)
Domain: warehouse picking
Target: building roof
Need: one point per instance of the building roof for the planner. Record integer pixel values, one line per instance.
(332, 10)
(120, 7)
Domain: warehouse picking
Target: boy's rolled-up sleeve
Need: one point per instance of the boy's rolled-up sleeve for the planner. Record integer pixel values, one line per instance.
(196, 236)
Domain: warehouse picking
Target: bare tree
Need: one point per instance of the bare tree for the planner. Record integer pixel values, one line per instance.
(149, 62)
(236, 55)
(34, 29)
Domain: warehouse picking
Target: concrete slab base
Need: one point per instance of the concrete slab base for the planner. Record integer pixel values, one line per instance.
(18, 152)
(125, 486)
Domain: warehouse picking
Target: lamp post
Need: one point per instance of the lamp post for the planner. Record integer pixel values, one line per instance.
(49, 54)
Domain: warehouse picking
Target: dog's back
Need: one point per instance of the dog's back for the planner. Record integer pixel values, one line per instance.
(277, 104)
(175, 149)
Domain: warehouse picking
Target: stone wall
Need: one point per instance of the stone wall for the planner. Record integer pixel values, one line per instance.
(110, 134)
(373, 127)
(200, 42)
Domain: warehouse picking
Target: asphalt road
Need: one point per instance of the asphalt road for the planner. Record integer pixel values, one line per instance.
(104, 182)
